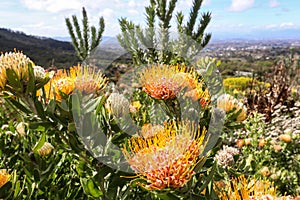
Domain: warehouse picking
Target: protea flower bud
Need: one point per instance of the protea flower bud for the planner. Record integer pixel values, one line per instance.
(39, 73)
(45, 149)
(228, 103)
(20, 128)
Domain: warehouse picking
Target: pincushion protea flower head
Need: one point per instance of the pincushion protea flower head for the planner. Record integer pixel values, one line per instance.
(88, 80)
(228, 103)
(62, 83)
(16, 61)
(84, 79)
(167, 159)
(4, 177)
(162, 81)
(252, 189)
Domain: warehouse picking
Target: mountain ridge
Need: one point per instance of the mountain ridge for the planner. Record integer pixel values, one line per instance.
(43, 51)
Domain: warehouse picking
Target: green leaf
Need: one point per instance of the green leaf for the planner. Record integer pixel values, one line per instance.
(36, 175)
(39, 108)
(137, 182)
(74, 143)
(13, 80)
(167, 196)
(209, 70)
(40, 143)
(94, 191)
(72, 127)
(42, 83)
(51, 107)
(76, 104)
(208, 178)
(30, 90)
(17, 189)
(91, 105)
(40, 126)
(19, 105)
(200, 164)
(80, 168)
(83, 182)
(98, 109)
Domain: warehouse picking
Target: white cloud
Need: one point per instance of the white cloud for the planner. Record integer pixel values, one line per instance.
(52, 6)
(273, 3)
(240, 5)
(284, 25)
(287, 25)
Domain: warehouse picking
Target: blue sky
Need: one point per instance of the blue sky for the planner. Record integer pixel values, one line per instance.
(230, 18)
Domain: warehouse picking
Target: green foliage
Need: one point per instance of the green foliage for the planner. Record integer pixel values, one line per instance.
(35, 177)
(265, 153)
(154, 44)
(84, 40)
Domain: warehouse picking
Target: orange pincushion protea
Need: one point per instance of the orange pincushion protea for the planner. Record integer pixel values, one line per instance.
(84, 79)
(63, 82)
(167, 159)
(162, 81)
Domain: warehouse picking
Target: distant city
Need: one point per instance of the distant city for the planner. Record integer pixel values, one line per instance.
(258, 49)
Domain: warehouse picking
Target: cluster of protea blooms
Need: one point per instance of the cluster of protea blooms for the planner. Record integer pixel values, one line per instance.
(61, 83)
(165, 155)
(78, 78)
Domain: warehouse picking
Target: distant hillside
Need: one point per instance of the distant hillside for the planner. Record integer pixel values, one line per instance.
(43, 51)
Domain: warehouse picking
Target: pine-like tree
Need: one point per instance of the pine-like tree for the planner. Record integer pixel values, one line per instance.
(86, 39)
(154, 43)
